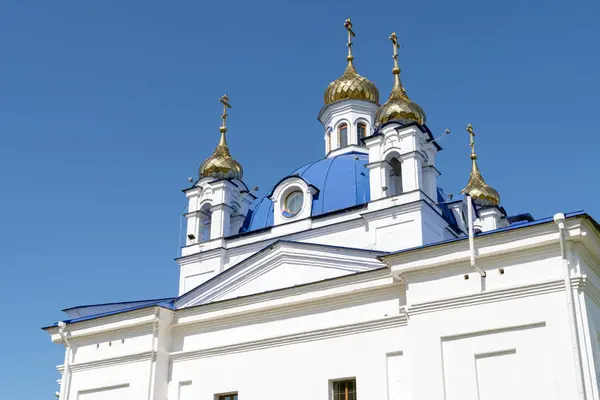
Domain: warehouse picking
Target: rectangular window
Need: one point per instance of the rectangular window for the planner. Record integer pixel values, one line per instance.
(230, 396)
(344, 390)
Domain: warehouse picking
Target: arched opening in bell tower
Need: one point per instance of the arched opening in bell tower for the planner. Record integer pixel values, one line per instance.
(394, 176)
(204, 222)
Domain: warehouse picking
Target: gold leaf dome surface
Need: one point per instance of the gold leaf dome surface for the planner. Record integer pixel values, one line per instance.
(220, 164)
(400, 107)
(351, 86)
(481, 193)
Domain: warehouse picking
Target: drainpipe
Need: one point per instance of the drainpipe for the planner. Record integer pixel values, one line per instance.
(559, 219)
(154, 355)
(470, 221)
(67, 370)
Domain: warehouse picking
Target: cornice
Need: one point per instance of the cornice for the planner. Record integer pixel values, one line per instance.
(549, 250)
(448, 254)
(330, 111)
(590, 290)
(326, 333)
(300, 306)
(112, 361)
(490, 296)
(288, 297)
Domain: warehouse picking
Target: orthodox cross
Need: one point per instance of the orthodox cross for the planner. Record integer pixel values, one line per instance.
(396, 45)
(471, 136)
(225, 100)
(348, 26)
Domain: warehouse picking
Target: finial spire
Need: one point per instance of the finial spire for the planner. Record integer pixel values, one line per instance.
(351, 34)
(481, 192)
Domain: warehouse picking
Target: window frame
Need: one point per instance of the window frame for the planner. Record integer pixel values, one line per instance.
(346, 126)
(358, 126)
(225, 396)
(349, 395)
(288, 213)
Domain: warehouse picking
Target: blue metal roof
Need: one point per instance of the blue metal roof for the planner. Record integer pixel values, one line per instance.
(94, 309)
(341, 181)
(127, 306)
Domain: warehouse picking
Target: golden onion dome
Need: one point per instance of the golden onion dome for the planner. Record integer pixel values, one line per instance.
(481, 193)
(220, 164)
(351, 85)
(399, 107)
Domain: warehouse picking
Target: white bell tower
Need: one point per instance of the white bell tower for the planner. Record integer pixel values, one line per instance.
(220, 200)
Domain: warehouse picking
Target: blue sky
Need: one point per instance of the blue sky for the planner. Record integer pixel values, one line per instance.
(107, 107)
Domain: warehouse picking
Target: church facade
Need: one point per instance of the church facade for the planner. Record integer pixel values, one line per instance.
(354, 277)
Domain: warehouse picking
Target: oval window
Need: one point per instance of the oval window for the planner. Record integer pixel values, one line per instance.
(293, 203)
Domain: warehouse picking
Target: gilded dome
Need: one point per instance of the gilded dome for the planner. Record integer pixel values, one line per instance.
(220, 164)
(351, 86)
(482, 193)
(400, 108)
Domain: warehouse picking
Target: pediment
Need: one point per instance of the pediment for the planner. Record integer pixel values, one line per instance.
(282, 265)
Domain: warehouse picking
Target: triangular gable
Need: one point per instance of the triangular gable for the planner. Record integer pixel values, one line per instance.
(280, 265)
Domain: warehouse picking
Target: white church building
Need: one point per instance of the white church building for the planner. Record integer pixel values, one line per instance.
(353, 278)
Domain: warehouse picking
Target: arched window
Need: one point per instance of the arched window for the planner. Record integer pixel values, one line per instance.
(394, 177)
(328, 140)
(361, 128)
(205, 219)
(343, 135)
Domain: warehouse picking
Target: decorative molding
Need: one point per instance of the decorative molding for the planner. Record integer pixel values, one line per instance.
(327, 333)
(273, 256)
(111, 361)
(547, 251)
(283, 311)
(335, 283)
(493, 296)
(465, 335)
(591, 291)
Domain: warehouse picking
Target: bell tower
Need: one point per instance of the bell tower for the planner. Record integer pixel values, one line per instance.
(220, 200)
(401, 153)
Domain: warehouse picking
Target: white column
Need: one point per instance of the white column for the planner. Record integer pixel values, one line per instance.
(220, 222)
(430, 174)
(412, 173)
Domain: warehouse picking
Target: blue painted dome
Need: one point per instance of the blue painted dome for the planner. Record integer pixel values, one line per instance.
(342, 181)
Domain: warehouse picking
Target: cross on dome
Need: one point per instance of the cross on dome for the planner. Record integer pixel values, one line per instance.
(348, 26)
(220, 164)
(351, 85)
(225, 100)
(399, 107)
